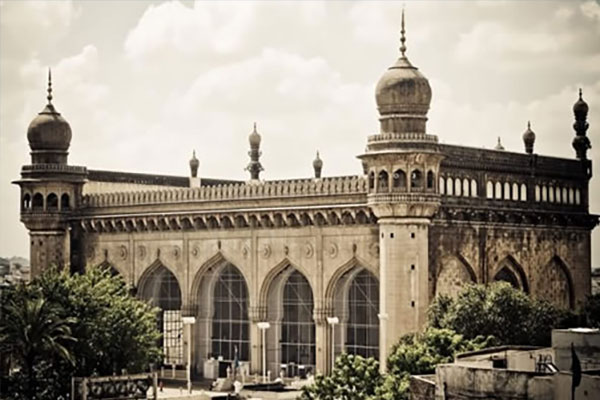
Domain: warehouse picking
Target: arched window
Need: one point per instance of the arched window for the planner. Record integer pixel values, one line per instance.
(538, 196)
(551, 194)
(489, 190)
(161, 289)
(399, 180)
(442, 185)
(457, 186)
(26, 201)
(474, 188)
(498, 191)
(506, 191)
(558, 195)
(465, 187)
(64, 202)
(52, 202)
(565, 196)
(416, 179)
(38, 202)
(515, 191)
(230, 324)
(544, 193)
(449, 186)
(297, 327)
(571, 196)
(523, 192)
(430, 180)
(506, 275)
(362, 330)
(371, 180)
(383, 181)
(577, 196)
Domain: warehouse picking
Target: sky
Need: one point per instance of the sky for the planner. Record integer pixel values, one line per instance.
(143, 83)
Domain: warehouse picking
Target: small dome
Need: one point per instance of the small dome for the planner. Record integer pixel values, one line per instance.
(49, 130)
(194, 164)
(499, 145)
(529, 138)
(580, 108)
(254, 138)
(317, 162)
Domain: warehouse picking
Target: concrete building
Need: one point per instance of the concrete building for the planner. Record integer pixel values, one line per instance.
(518, 372)
(373, 250)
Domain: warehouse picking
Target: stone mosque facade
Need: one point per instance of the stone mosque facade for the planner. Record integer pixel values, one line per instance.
(373, 249)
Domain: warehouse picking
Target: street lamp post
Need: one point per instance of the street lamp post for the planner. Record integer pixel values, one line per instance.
(263, 326)
(188, 322)
(333, 321)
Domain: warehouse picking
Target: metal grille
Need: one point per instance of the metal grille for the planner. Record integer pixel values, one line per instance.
(230, 325)
(298, 327)
(362, 329)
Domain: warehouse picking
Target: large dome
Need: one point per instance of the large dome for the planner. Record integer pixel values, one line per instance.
(403, 96)
(403, 90)
(49, 131)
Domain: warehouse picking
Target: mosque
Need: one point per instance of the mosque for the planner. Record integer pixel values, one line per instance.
(332, 263)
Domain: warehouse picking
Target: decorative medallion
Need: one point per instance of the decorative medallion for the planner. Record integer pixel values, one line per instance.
(195, 251)
(333, 250)
(266, 251)
(286, 250)
(308, 250)
(245, 251)
(123, 252)
(374, 250)
(141, 252)
(176, 252)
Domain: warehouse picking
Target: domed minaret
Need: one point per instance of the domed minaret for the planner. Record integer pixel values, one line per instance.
(529, 139)
(581, 143)
(254, 167)
(318, 166)
(194, 165)
(402, 163)
(51, 191)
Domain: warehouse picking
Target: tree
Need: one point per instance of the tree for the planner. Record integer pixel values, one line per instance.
(501, 311)
(35, 332)
(113, 330)
(591, 311)
(353, 378)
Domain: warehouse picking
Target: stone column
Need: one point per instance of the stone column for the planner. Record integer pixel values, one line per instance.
(322, 340)
(256, 314)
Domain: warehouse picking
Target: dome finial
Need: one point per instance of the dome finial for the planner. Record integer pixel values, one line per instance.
(499, 145)
(402, 36)
(580, 94)
(528, 124)
(49, 97)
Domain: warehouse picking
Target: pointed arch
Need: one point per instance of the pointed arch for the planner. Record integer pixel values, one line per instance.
(349, 265)
(453, 274)
(555, 283)
(509, 270)
(284, 265)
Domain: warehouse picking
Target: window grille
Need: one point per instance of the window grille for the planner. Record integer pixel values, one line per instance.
(298, 327)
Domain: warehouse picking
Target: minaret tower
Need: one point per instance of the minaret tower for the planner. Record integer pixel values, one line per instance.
(254, 166)
(402, 163)
(50, 190)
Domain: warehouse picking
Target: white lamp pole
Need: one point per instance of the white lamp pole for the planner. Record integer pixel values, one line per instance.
(333, 321)
(263, 326)
(188, 322)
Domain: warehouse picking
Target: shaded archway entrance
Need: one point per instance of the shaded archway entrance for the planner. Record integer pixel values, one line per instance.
(291, 339)
(511, 272)
(160, 288)
(356, 304)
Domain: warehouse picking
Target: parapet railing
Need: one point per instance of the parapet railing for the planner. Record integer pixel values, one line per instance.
(54, 168)
(236, 191)
(412, 136)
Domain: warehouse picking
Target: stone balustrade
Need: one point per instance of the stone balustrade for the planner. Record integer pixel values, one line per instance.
(235, 191)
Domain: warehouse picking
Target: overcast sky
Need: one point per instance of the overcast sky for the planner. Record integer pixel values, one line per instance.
(142, 83)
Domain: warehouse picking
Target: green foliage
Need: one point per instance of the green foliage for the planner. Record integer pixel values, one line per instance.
(112, 330)
(353, 378)
(394, 387)
(591, 311)
(501, 311)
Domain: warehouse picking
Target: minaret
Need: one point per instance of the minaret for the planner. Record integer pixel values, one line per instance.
(318, 166)
(499, 145)
(529, 139)
(50, 191)
(194, 165)
(581, 143)
(402, 164)
(254, 167)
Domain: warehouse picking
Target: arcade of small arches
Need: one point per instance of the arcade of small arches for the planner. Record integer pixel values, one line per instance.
(37, 202)
(226, 310)
(557, 194)
(458, 187)
(551, 281)
(400, 181)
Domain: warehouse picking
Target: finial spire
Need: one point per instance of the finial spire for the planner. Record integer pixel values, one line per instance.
(528, 124)
(49, 97)
(580, 94)
(402, 36)
(255, 127)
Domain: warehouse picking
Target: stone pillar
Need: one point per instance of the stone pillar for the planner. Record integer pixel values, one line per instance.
(48, 248)
(256, 314)
(403, 290)
(322, 341)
